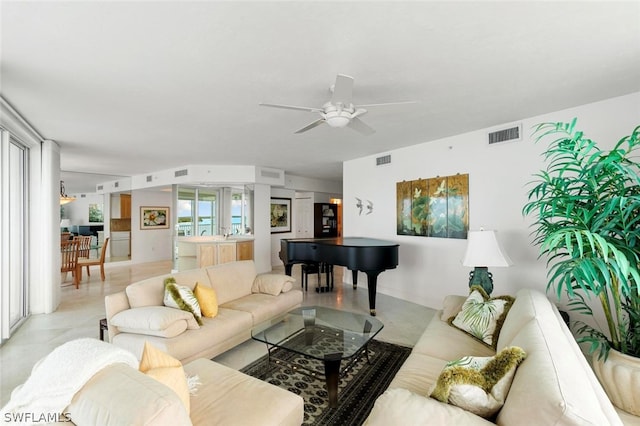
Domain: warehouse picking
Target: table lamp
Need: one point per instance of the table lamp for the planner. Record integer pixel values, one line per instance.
(64, 225)
(484, 250)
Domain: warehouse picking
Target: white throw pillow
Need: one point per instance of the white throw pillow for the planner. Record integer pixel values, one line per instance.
(272, 284)
(482, 317)
(479, 384)
(181, 297)
(154, 321)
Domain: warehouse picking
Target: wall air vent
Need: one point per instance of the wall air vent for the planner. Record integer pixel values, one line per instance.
(385, 159)
(150, 178)
(100, 187)
(116, 185)
(510, 134)
(270, 174)
(183, 172)
(83, 195)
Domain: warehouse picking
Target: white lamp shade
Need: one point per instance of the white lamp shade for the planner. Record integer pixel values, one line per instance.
(65, 223)
(483, 249)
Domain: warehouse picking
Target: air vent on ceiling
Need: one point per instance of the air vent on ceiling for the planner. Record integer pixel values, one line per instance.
(270, 174)
(150, 178)
(385, 159)
(505, 135)
(183, 172)
(100, 187)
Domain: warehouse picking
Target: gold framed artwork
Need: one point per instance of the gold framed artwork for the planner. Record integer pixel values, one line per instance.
(154, 217)
(434, 207)
(280, 215)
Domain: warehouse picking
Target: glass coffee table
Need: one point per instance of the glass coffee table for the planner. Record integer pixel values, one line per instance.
(324, 334)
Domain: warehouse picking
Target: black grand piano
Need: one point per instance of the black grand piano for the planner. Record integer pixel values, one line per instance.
(368, 255)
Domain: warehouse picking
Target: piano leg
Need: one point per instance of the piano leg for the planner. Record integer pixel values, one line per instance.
(372, 283)
(287, 268)
(354, 276)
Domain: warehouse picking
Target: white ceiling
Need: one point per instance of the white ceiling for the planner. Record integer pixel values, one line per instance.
(128, 88)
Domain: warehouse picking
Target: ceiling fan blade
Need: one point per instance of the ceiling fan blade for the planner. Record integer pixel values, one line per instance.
(310, 126)
(359, 112)
(387, 104)
(298, 108)
(360, 127)
(342, 90)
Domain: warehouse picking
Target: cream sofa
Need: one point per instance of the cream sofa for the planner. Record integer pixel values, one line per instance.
(121, 395)
(554, 385)
(239, 309)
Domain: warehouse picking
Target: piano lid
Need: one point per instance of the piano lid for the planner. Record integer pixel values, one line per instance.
(345, 241)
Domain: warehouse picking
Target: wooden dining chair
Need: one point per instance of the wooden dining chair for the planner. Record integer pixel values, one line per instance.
(69, 252)
(86, 261)
(84, 249)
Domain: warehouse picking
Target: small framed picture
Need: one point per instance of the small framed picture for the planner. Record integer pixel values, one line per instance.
(154, 217)
(280, 215)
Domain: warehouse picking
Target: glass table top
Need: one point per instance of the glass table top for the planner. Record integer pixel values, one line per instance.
(317, 331)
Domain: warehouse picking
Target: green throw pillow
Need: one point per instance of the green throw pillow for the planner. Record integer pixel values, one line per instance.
(479, 384)
(181, 297)
(482, 316)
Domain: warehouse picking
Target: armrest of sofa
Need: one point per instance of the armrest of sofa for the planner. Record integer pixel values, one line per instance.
(403, 407)
(114, 303)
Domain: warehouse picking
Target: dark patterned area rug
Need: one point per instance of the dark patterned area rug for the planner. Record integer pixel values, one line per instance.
(359, 386)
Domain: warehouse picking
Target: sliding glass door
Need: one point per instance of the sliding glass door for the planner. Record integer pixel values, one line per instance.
(13, 234)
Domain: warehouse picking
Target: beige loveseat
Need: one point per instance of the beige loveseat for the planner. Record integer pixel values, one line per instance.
(243, 302)
(554, 385)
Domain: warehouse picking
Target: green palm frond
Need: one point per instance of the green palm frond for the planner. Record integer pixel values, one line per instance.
(586, 207)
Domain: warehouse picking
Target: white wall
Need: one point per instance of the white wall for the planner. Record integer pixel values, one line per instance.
(149, 245)
(78, 211)
(430, 268)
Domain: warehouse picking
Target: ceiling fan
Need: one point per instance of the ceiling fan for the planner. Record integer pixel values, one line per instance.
(339, 111)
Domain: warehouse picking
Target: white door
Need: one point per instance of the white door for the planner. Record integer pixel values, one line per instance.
(304, 218)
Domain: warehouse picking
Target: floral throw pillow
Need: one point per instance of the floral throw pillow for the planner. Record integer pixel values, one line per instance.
(181, 297)
(479, 384)
(482, 316)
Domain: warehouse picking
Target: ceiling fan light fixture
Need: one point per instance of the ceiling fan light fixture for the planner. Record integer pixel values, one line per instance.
(338, 121)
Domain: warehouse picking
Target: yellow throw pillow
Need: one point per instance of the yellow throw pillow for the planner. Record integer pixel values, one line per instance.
(167, 370)
(207, 299)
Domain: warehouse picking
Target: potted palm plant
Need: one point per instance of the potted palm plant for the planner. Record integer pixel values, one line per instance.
(586, 205)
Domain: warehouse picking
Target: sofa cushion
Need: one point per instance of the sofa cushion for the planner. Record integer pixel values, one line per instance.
(154, 321)
(150, 292)
(402, 407)
(265, 306)
(228, 397)
(481, 316)
(167, 370)
(207, 299)
(232, 280)
(181, 297)
(551, 387)
(227, 325)
(121, 395)
(272, 284)
(451, 305)
(528, 305)
(479, 384)
(419, 373)
(446, 342)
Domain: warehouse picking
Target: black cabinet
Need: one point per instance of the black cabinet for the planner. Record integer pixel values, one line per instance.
(325, 218)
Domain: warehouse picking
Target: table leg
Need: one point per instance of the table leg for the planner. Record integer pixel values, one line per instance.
(332, 376)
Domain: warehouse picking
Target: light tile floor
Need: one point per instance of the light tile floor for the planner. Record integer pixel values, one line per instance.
(81, 310)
